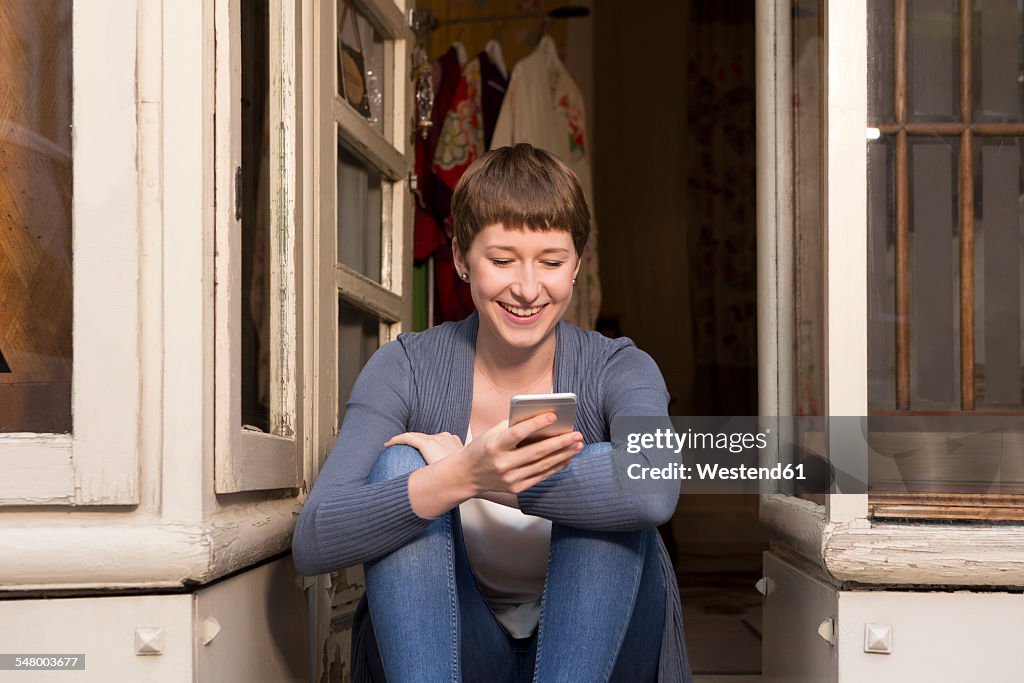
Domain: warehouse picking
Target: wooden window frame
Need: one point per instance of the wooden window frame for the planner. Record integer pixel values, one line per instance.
(844, 168)
(246, 459)
(97, 464)
(966, 129)
(389, 152)
(1003, 507)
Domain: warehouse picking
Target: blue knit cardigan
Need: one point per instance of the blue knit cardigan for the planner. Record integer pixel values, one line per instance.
(423, 382)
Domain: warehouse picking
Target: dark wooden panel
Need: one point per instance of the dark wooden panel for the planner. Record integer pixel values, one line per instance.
(35, 407)
(946, 506)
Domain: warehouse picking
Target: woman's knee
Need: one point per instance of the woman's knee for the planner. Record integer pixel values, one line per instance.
(595, 448)
(394, 461)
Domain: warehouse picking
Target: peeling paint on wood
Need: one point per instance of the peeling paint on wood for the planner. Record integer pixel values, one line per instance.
(898, 554)
(926, 554)
(38, 469)
(129, 550)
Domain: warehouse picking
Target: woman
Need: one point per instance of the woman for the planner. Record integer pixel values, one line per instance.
(486, 561)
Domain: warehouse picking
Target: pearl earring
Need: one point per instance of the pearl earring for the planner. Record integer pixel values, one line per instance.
(574, 282)
(465, 277)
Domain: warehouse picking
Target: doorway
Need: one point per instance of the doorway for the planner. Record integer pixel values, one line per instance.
(669, 92)
(674, 187)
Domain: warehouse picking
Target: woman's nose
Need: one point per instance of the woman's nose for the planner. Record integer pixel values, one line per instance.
(526, 286)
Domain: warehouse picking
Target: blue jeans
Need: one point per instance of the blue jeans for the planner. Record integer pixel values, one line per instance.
(601, 614)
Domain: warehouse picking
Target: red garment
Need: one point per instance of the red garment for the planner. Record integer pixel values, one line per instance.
(429, 234)
(471, 113)
(462, 135)
(461, 143)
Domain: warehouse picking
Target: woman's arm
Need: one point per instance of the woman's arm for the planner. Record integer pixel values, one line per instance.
(587, 494)
(345, 520)
(434, 448)
(491, 467)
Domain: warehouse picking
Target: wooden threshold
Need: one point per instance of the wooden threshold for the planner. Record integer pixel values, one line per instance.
(947, 506)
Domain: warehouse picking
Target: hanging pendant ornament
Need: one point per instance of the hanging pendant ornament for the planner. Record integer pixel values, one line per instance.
(422, 71)
(423, 22)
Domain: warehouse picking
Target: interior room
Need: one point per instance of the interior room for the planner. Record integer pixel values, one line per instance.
(668, 93)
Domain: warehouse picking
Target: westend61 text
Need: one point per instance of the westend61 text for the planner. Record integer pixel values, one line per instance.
(714, 471)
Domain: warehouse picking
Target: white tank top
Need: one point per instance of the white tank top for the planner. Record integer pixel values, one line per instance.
(508, 553)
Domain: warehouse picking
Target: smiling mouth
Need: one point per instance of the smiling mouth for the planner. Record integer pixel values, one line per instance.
(521, 312)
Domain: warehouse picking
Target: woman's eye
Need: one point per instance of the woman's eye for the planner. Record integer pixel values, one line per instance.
(553, 264)
(501, 262)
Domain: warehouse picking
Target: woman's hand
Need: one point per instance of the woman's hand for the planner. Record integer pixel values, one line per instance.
(494, 463)
(489, 463)
(433, 447)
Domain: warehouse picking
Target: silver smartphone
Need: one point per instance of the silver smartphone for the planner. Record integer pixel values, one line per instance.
(525, 406)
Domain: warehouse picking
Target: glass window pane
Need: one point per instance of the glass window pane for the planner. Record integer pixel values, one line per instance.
(880, 61)
(360, 212)
(881, 276)
(934, 274)
(256, 336)
(998, 77)
(933, 60)
(999, 272)
(35, 216)
(360, 64)
(808, 268)
(358, 338)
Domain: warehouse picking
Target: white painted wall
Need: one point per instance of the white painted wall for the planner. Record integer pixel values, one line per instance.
(250, 627)
(795, 604)
(103, 629)
(936, 636)
(259, 618)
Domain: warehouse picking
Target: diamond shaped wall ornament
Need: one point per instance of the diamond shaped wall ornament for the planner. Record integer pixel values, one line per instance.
(878, 638)
(149, 641)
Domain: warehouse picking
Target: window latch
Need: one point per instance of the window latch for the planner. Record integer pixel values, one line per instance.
(238, 193)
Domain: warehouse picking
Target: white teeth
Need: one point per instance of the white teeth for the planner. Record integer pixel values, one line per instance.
(521, 312)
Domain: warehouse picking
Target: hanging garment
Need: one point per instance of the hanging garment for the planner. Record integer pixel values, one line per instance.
(462, 137)
(429, 233)
(493, 84)
(472, 114)
(544, 107)
(460, 50)
(461, 142)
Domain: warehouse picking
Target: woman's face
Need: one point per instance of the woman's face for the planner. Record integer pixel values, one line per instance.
(521, 281)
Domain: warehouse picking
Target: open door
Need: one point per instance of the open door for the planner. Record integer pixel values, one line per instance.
(363, 163)
(812, 270)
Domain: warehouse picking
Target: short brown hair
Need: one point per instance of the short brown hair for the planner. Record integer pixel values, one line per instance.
(520, 187)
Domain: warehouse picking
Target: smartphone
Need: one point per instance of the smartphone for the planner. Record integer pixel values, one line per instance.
(525, 406)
